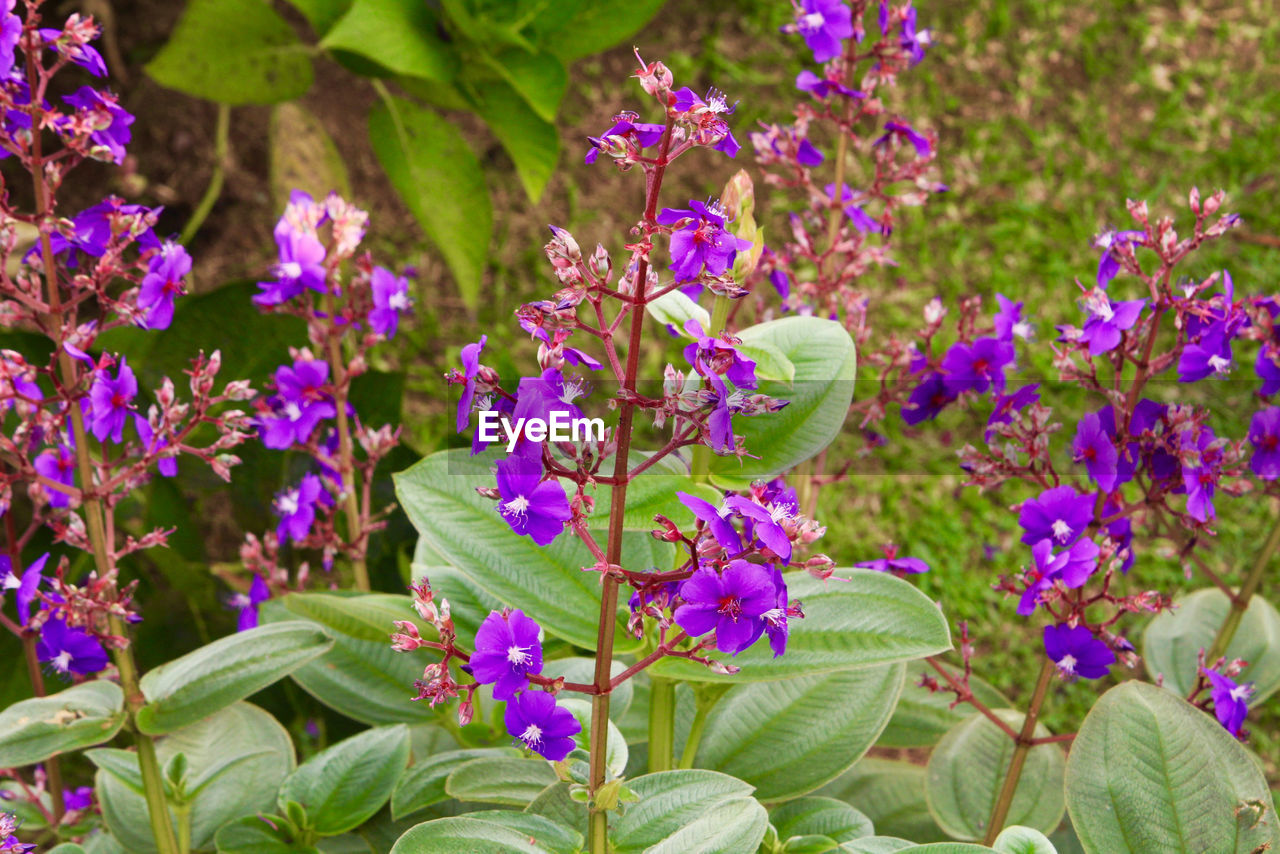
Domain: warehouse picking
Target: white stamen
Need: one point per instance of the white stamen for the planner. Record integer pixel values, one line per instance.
(1240, 693)
(1061, 530)
(12, 581)
(573, 389)
(519, 655)
(773, 617)
(1220, 365)
(289, 270)
(1067, 664)
(399, 301)
(517, 506)
(292, 411)
(288, 503)
(812, 21)
(532, 735)
(62, 662)
(778, 513)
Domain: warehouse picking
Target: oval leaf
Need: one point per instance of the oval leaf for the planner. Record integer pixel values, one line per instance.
(500, 780)
(252, 835)
(343, 786)
(532, 143)
(820, 817)
(675, 308)
(891, 794)
(462, 833)
(81, 716)
(398, 36)
(214, 676)
(1023, 840)
(423, 784)
(538, 829)
(869, 620)
(670, 800)
(1149, 772)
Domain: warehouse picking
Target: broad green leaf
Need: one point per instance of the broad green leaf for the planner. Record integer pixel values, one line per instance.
(245, 789)
(598, 25)
(303, 156)
(671, 800)
(787, 737)
(183, 691)
(616, 749)
(1149, 772)
(868, 620)
(532, 142)
(539, 78)
(547, 582)
(968, 767)
(500, 780)
(321, 14)
(233, 52)
(948, 848)
(81, 716)
(675, 308)
(825, 365)
(430, 165)
(875, 845)
(889, 793)
(771, 363)
(820, 817)
(463, 833)
(1172, 643)
(252, 835)
(66, 848)
(361, 676)
(541, 830)
(422, 785)
(1023, 840)
(341, 787)
(923, 716)
(728, 827)
(398, 35)
(121, 764)
(555, 803)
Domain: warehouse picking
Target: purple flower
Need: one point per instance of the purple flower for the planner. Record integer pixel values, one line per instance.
(82, 55)
(24, 585)
(730, 603)
(1007, 404)
(821, 87)
(390, 300)
(701, 245)
(533, 507)
(58, 464)
(927, 399)
(823, 24)
(163, 282)
(705, 116)
(10, 32)
(111, 120)
(764, 525)
(1077, 652)
(298, 405)
(247, 603)
(1059, 514)
(508, 646)
(1094, 447)
(168, 466)
(110, 399)
(1200, 473)
(1264, 435)
(470, 367)
(892, 563)
(296, 507)
(626, 130)
(977, 366)
(92, 229)
(861, 220)
(895, 129)
(715, 355)
(1008, 320)
(720, 422)
(545, 728)
(1073, 567)
(69, 650)
(1230, 700)
(914, 42)
(301, 266)
(717, 521)
(1111, 243)
(80, 798)
(776, 625)
(1267, 370)
(1211, 354)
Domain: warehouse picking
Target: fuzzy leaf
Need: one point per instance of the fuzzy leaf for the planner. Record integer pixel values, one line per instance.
(81, 716)
(343, 786)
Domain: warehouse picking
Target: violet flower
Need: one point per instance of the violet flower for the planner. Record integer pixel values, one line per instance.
(298, 405)
(1111, 243)
(702, 244)
(301, 267)
(627, 130)
(10, 33)
(24, 585)
(544, 727)
(247, 603)
(113, 121)
(83, 55)
(709, 128)
(1094, 447)
(712, 354)
(296, 507)
(167, 466)
(764, 525)
(163, 282)
(1073, 567)
(1264, 435)
(977, 366)
(470, 367)
(894, 129)
(1007, 404)
(533, 507)
(1077, 652)
(57, 464)
(111, 400)
(927, 400)
(823, 24)
(69, 650)
(1008, 320)
(508, 647)
(861, 220)
(717, 521)
(821, 87)
(730, 603)
(1059, 514)
(390, 300)
(1230, 700)
(892, 563)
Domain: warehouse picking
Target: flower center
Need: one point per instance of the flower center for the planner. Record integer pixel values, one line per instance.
(1240, 693)
(289, 503)
(731, 607)
(399, 301)
(289, 270)
(532, 735)
(117, 400)
(517, 506)
(1067, 664)
(292, 411)
(62, 662)
(1219, 364)
(980, 366)
(812, 21)
(519, 655)
(1061, 530)
(11, 581)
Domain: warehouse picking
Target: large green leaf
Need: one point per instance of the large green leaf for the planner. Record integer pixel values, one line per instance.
(1023, 840)
(827, 817)
(398, 35)
(512, 781)
(539, 829)
(547, 582)
(245, 788)
(1149, 772)
(670, 801)
(252, 835)
(923, 716)
(183, 691)
(432, 168)
(234, 52)
(81, 716)
(825, 365)
(474, 836)
(871, 619)
(532, 142)
(361, 676)
(967, 770)
(598, 25)
(422, 785)
(321, 14)
(341, 787)
(875, 845)
(891, 794)
(787, 737)
(1172, 642)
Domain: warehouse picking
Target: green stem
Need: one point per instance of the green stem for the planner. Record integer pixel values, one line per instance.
(184, 828)
(706, 696)
(1240, 601)
(346, 459)
(662, 725)
(221, 144)
(1025, 742)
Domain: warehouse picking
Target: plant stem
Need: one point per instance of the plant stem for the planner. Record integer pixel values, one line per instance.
(184, 828)
(1240, 601)
(221, 144)
(346, 465)
(52, 768)
(662, 725)
(1025, 738)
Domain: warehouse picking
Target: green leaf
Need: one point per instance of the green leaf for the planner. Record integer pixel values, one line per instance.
(252, 835)
(968, 767)
(727, 827)
(771, 363)
(303, 156)
(598, 25)
(343, 786)
(422, 785)
(1172, 642)
(500, 780)
(949, 848)
(825, 366)
(672, 800)
(121, 764)
(555, 803)
(245, 789)
(233, 52)
(183, 691)
(616, 750)
(923, 716)
(543, 831)
(1149, 772)
(398, 35)
(321, 14)
(820, 817)
(430, 165)
(1023, 840)
(81, 716)
(463, 833)
(66, 848)
(548, 583)
(532, 142)
(875, 845)
(787, 738)
(891, 794)
(361, 676)
(869, 620)
(539, 78)
(675, 308)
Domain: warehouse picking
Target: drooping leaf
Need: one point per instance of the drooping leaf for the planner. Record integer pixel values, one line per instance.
(889, 793)
(33, 730)
(539, 78)
(532, 142)
(1149, 772)
(598, 24)
(434, 171)
(398, 35)
(342, 786)
(787, 737)
(869, 620)
(815, 816)
(539, 829)
(923, 716)
(555, 803)
(875, 845)
(303, 156)
(968, 767)
(462, 833)
(321, 14)
(511, 781)
(422, 785)
(771, 363)
(183, 691)
(671, 800)
(233, 52)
